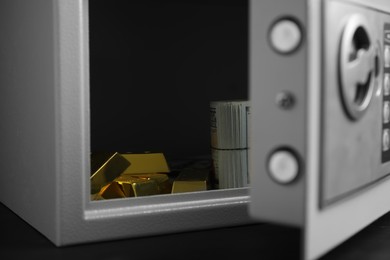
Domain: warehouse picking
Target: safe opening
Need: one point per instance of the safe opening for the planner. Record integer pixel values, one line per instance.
(169, 101)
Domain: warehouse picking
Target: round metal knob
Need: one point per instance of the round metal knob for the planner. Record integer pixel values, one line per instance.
(283, 166)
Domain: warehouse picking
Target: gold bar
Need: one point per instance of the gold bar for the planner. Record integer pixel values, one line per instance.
(146, 163)
(105, 167)
(191, 180)
(136, 185)
(112, 191)
(141, 188)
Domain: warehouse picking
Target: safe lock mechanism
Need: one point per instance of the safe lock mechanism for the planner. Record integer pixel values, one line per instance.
(356, 67)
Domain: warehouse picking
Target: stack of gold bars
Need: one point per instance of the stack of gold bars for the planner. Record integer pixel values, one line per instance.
(122, 175)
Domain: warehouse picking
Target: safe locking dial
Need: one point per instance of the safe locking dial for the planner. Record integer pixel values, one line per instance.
(356, 67)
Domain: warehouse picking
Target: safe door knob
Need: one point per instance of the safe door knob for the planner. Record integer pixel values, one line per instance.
(356, 67)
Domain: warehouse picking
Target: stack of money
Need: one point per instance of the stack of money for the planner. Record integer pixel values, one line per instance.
(229, 142)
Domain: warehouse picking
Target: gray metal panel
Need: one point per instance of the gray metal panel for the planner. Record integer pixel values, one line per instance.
(27, 112)
(46, 138)
(87, 221)
(351, 148)
(272, 127)
(327, 227)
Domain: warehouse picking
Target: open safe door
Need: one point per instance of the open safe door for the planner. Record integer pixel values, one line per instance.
(320, 153)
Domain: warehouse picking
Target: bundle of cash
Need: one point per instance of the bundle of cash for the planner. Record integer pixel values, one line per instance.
(229, 142)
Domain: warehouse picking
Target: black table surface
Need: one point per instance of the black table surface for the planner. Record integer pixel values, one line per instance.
(256, 241)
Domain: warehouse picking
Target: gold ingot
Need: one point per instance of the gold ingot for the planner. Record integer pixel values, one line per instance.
(140, 188)
(146, 163)
(136, 185)
(191, 180)
(105, 167)
(111, 191)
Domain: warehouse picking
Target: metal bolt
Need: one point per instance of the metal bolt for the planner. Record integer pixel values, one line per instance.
(285, 100)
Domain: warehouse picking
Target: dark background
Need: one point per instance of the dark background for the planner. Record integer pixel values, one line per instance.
(156, 65)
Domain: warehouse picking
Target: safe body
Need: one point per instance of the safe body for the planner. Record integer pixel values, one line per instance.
(46, 129)
(45, 92)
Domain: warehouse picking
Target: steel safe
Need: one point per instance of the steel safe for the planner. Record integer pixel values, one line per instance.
(79, 76)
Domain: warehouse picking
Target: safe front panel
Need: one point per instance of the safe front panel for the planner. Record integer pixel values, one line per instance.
(354, 89)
